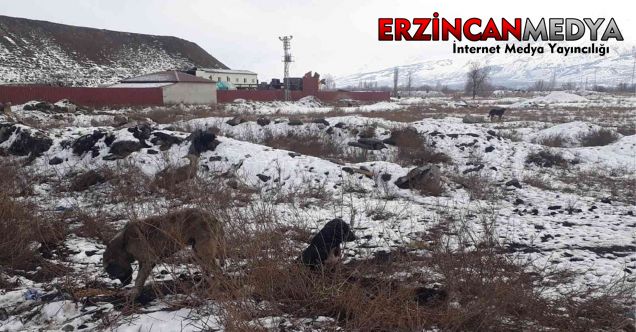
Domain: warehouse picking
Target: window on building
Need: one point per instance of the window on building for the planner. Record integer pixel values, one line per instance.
(244, 80)
(219, 78)
(228, 79)
(237, 80)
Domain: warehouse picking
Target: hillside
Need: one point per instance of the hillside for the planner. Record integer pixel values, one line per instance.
(508, 70)
(43, 52)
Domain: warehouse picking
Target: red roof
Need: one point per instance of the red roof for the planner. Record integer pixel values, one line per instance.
(170, 76)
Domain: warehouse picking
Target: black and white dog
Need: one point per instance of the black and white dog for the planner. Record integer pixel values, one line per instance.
(324, 248)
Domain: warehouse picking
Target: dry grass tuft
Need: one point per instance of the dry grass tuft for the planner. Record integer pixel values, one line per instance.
(555, 141)
(547, 158)
(26, 232)
(599, 137)
(413, 149)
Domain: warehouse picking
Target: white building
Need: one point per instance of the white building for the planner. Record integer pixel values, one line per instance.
(231, 79)
(177, 87)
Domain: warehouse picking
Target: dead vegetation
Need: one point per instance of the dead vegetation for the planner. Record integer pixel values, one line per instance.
(317, 145)
(471, 288)
(619, 185)
(555, 141)
(172, 114)
(598, 137)
(413, 148)
(478, 185)
(27, 234)
(547, 158)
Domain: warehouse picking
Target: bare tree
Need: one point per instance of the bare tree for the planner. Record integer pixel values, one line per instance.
(329, 82)
(477, 79)
(568, 86)
(539, 85)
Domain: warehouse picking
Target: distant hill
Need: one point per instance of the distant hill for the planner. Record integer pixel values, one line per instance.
(510, 70)
(43, 52)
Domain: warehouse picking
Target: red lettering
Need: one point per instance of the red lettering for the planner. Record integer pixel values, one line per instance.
(507, 28)
(384, 29)
(456, 30)
(491, 31)
(469, 35)
(402, 27)
(423, 23)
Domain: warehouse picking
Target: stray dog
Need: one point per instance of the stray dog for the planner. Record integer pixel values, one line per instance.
(497, 111)
(150, 240)
(324, 248)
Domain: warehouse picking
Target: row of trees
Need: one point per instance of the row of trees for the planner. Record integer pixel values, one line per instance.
(478, 84)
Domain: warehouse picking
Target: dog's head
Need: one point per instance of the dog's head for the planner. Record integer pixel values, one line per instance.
(117, 261)
(340, 230)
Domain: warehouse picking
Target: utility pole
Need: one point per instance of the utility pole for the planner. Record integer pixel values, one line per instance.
(396, 73)
(287, 60)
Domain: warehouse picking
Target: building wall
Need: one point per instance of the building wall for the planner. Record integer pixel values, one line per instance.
(228, 96)
(238, 80)
(189, 93)
(83, 96)
(310, 88)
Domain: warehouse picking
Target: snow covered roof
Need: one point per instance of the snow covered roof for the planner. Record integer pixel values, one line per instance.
(170, 76)
(226, 71)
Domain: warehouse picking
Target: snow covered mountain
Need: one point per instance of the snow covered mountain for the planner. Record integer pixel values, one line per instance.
(43, 52)
(510, 70)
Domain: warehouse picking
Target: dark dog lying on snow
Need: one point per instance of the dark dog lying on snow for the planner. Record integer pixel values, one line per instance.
(153, 239)
(324, 248)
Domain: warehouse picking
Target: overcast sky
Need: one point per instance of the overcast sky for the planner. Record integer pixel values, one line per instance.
(330, 36)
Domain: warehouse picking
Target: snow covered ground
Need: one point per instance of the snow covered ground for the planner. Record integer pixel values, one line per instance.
(566, 216)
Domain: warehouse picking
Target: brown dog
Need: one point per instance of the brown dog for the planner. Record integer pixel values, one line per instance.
(150, 240)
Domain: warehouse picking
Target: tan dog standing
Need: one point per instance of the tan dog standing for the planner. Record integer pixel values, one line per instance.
(151, 240)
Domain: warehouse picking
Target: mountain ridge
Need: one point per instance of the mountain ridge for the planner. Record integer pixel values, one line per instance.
(510, 71)
(36, 51)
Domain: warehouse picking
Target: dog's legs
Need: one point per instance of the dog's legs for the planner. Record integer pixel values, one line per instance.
(144, 273)
(210, 252)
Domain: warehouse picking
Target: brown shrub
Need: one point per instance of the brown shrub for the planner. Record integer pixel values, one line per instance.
(95, 226)
(413, 149)
(547, 158)
(480, 288)
(22, 230)
(512, 135)
(87, 179)
(477, 185)
(556, 141)
(598, 137)
(495, 293)
(129, 184)
(171, 114)
(15, 181)
(367, 132)
(626, 130)
(311, 144)
(537, 182)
